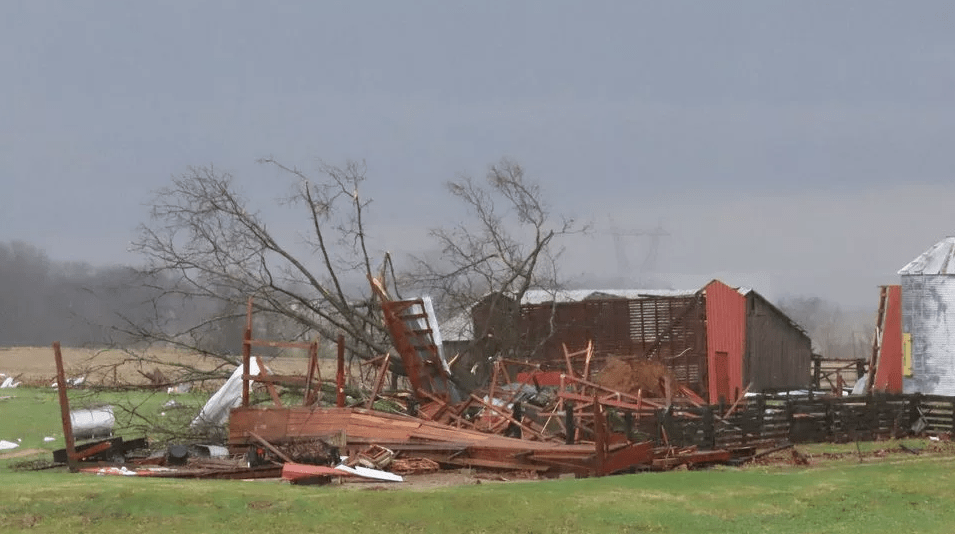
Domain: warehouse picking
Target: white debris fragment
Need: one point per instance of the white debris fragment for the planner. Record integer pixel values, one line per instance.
(216, 410)
(49, 439)
(7, 445)
(370, 473)
(9, 383)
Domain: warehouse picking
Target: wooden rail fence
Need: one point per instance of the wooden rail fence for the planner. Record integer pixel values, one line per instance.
(767, 420)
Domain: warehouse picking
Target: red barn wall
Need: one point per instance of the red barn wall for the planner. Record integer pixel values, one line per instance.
(888, 375)
(725, 340)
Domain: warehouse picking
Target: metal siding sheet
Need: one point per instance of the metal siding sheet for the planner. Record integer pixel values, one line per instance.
(928, 314)
(937, 260)
(725, 333)
(888, 375)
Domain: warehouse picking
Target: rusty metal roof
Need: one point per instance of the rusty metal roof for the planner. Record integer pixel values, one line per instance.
(460, 327)
(936, 260)
(538, 296)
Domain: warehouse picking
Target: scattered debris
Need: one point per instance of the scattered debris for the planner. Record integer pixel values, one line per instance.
(8, 382)
(216, 410)
(89, 423)
(7, 445)
(414, 466)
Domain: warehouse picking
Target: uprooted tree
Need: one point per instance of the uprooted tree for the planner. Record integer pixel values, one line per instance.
(215, 250)
(508, 246)
(219, 251)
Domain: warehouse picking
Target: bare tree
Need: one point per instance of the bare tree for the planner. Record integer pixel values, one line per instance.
(220, 250)
(507, 246)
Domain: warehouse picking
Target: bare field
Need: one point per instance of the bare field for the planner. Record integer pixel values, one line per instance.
(36, 365)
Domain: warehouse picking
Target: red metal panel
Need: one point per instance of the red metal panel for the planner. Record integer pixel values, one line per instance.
(725, 333)
(888, 375)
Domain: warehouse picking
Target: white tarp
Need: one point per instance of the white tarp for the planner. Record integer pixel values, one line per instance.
(216, 410)
(9, 383)
(370, 473)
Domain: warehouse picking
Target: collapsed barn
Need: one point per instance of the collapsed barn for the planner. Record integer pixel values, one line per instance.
(717, 340)
(696, 412)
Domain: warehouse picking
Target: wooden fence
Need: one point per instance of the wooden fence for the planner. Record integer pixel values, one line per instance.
(768, 420)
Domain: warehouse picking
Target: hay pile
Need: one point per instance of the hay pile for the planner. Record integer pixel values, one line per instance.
(629, 376)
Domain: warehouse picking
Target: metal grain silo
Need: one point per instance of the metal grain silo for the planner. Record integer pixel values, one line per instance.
(928, 321)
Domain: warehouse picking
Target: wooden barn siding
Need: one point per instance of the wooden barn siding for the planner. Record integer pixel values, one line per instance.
(725, 333)
(778, 355)
(669, 329)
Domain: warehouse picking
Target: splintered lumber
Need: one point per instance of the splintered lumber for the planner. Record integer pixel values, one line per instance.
(414, 466)
(692, 457)
(65, 408)
(301, 473)
(269, 446)
(421, 438)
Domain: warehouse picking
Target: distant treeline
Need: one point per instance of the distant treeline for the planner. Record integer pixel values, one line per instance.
(42, 300)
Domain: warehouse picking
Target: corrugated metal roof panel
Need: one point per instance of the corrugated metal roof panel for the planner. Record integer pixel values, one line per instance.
(461, 327)
(936, 260)
(538, 296)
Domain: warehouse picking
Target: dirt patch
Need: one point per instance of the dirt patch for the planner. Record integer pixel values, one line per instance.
(22, 453)
(36, 365)
(629, 376)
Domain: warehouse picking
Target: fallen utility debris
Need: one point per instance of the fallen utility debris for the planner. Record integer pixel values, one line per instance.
(216, 410)
(213, 472)
(8, 382)
(89, 423)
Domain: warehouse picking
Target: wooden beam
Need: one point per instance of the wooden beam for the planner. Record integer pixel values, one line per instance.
(307, 399)
(340, 375)
(269, 446)
(269, 385)
(379, 381)
(65, 409)
(590, 354)
(505, 415)
(246, 352)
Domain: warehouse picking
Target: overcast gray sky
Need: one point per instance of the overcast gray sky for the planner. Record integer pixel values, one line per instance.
(801, 147)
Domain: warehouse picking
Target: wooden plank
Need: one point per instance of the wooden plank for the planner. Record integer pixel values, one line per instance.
(268, 446)
(246, 352)
(61, 386)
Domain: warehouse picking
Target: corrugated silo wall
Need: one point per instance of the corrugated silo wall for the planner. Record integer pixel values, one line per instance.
(928, 314)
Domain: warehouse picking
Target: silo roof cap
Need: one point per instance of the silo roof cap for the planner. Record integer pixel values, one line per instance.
(936, 260)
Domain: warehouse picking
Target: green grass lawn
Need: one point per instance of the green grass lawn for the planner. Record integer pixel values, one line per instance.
(900, 493)
(34, 413)
(910, 495)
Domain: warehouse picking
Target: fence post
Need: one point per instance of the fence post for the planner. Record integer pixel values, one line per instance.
(830, 421)
(709, 429)
(915, 404)
(790, 418)
(952, 430)
(872, 403)
(761, 416)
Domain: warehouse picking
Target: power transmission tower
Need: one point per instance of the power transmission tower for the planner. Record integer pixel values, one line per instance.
(623, 263)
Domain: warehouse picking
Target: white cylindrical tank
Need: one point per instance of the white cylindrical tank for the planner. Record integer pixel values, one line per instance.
(928, 316)
(92, 422)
